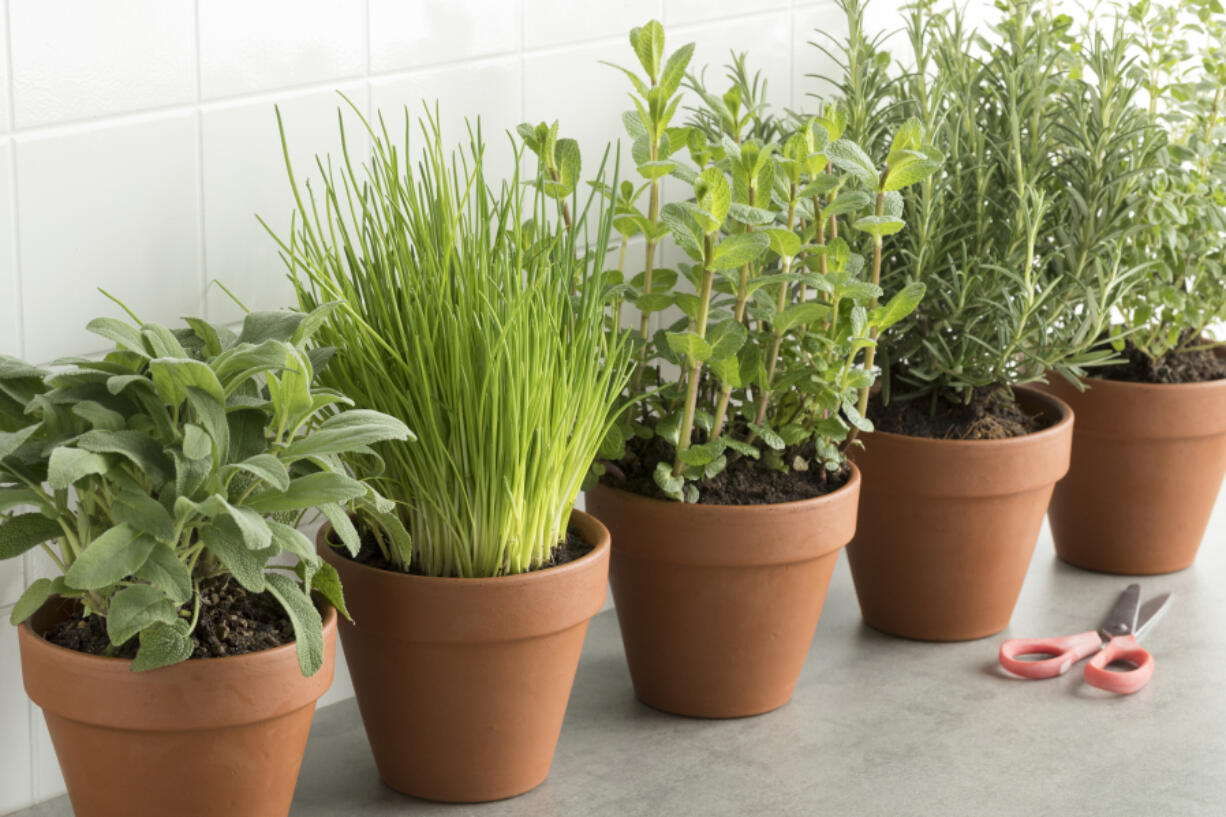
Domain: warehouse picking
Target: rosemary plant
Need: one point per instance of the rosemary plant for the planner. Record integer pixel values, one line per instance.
(457, 317)
(778, 312)
(191, 454)
(1019, 237)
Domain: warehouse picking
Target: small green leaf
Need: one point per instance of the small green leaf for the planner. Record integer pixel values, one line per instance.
(197, 444)
(136, 607)
(165, 571)
(34, 597)
(784, 243)
(309, 491)
(262, 466)
(674, 69)
(343, 526)
(901, 305)
(163, 644)
(225, 541)
(137, 446)
(113, 556)
(66, 465)
(119, 333)
(726, 339)
(879, 225)
(143, 513)
(801, 314)
(346, 431)
(280, 325)
(695, 348)
(671, 485)
(10, 441)
(291, 540)
(850, 158)
(308, 625)
(767, 435)
(648, 44)
(172, 377)
(327, 582)
(737, 250)
(26, 531)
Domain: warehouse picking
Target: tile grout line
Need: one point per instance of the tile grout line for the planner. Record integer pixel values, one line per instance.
(368, 106)
(202, 255)
(523, 61)
(203, 104)
(12, 88)
(26, 561)
(792, 53)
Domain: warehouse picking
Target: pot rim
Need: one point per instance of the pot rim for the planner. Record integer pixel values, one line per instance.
(1056, 429)
(575, 565)
(760, 508)
(1133, 385)
(329, 620)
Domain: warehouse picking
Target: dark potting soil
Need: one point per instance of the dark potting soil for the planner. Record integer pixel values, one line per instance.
(232, 622)
(993, 413)
(371, 555)
(745, 481)
(1199, 366)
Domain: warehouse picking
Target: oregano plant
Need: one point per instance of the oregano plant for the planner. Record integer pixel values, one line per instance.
(178, 457)
(1182, 202)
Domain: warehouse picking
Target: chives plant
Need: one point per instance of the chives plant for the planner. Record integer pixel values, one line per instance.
(457, 317)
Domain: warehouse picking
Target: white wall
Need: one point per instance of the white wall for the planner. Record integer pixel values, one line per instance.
(137, 141)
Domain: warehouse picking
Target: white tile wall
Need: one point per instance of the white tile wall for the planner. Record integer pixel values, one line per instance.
(138, 141)
(247, 47)
(76, 59)
(403, 33)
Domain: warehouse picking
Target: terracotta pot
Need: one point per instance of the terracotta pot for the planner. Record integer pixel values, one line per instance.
(718, 603)
(1148, 461)
(947, 527)
(202, 738)
(463, 683)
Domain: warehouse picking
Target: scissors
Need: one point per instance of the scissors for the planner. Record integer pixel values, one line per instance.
(1115, 641)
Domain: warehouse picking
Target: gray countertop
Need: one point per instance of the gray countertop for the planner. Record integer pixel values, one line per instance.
(878, 726)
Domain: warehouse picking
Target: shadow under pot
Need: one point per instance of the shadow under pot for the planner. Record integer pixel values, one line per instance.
(205, 737)
(718, 604)
(947, 527)
(463, 683)
(1148, 462)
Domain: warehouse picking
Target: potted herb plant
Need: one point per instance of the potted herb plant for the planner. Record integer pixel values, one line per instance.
(1017, 239)
(475, 316)
(1149, 451)
(727, 487)
(165, 481)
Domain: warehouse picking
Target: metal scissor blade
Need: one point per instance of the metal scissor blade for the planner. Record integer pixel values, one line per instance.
(1123, 616)
(1151, 611)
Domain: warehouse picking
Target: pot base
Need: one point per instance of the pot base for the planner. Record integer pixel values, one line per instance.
(1148, 462)
(948, 527)
(463, 683)
(718, 604)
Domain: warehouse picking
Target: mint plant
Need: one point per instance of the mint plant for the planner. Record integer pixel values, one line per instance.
(778, 311)
(178, 457)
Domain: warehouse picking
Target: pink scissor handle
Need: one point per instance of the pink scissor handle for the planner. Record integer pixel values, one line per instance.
(1064, 653)
(1121, 648)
